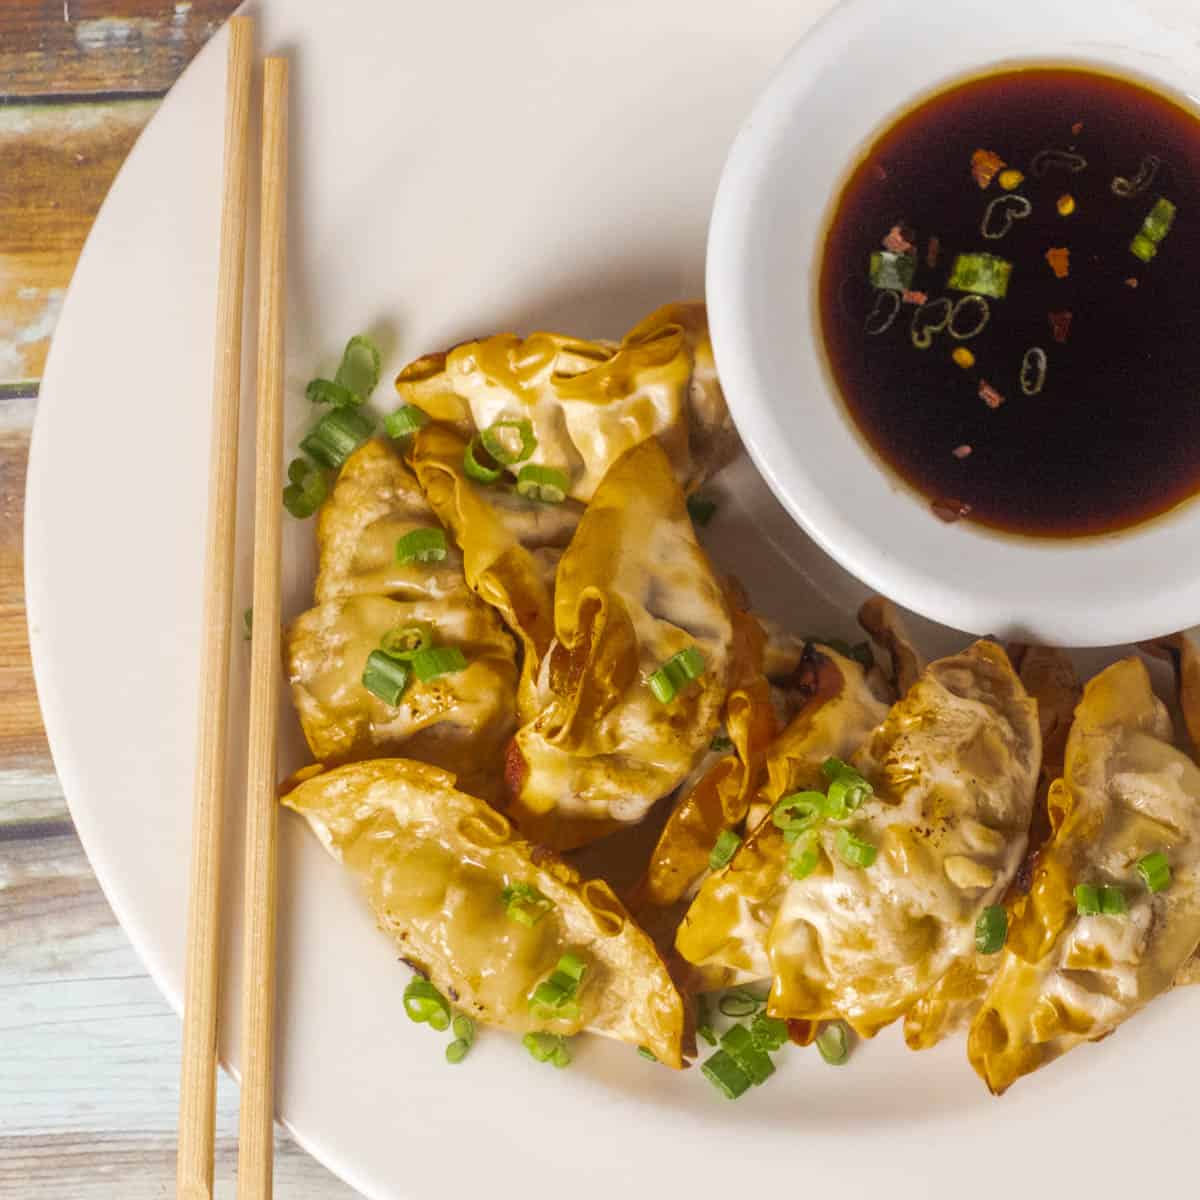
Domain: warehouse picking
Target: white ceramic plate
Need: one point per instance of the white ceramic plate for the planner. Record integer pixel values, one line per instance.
(460, 168)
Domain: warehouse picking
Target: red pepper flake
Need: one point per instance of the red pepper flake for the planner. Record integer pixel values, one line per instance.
(961, 452)
(950, 510)
(897, 241)
(985, 166)
(1131, 282)
(989, 395)
(1077, 128)
(1059, 258)
(880, 172)
(915, 297)
(1060, 326)
(933, 251)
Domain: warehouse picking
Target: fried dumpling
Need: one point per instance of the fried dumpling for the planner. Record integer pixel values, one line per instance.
(589, 402)
(460, 720)
(434, 864)
(725, 930)
(633, 590)
(1127, 792)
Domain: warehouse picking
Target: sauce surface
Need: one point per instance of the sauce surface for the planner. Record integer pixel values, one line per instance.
(1110, 435)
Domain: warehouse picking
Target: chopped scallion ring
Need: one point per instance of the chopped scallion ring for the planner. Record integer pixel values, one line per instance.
(892, 272)
(405, 421)
(834, 1044)
(707, 1033)
(1087, 900)
(981, 274)
(676, 673)
(547, 1047)
(798, 812)
(464, 1029)
(438, 660)
(647, 1054)
(509, 442)
(726, 847)
(769, 1033)
(457, 1050)
(421, 546)
(406, 640)
(701, 509)
(336, 436)
(723, 1072)
(525, 904)
(359, 369)
(385, 677)
(326, 391)
(1112, 901)
(739, 1044)
(306, 489)
(1155, 871)
(804, 855)
(847, 789)
(740, 1003)
(853, 850)
(991, 929)
(425, 1004)
(479, 464)
(547, 484)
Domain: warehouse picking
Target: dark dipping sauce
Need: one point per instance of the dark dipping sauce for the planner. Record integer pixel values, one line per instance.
(1113, 436)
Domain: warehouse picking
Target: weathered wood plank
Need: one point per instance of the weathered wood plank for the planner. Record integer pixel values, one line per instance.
(77, 47)
(56, 165)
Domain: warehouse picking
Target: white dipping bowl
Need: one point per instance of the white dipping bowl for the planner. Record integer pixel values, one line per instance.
(841, 87)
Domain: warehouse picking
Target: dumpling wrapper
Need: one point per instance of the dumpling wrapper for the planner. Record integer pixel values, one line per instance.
(461, 721)
(434, 862)
(1065, 979)
(725, 930)
(633, 589)
(589, 402)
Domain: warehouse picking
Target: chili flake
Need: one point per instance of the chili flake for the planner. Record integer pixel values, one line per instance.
(961, 452)
(989, 395)
(1059, 258)
(915, 297)
(1060, 325)
(1131, 282)
(1077, 128)
(933, 251)
(985, 166)
(950, 510)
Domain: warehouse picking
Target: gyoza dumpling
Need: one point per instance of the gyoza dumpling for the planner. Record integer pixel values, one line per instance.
(434, 864)
(633, 591)
(1066, 978)
(589, 402)
(726, 928)
(461, 720)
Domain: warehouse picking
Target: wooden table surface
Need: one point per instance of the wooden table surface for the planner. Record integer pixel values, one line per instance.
(88, 1048)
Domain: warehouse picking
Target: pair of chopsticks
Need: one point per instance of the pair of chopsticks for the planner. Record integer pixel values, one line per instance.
(197, 1101)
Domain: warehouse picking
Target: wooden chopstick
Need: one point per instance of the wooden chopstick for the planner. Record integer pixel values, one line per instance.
(198, 1073)
(256, 1130)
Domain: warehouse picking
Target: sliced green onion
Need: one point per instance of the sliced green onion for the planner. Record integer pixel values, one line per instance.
(326, 391)
(547, 1047)
(723, 1072)
(425, 1004)
(982, 274)
(721, 744)
(831, 768)
(336, 436)
(1158, 222)
(833, 1044)
(405, 421)
(1087, 900)
(478, 464)
(359, 368)
(457, 1050)
(509, 442)
(406, 640)
(1155, 871)
(891, 272)
(739, 1003)
(1113, 902)
(464, 1029)
(704, 1027)
(739, 1044)
(306, 489)
(571, 965)
(853, 850)
(386, 677)
(708, 1033)
(525, 904)
(679, 670)
(769, 1033)
(804, 856)
(248, 623)
(547, 484)
(847, 789)
(991, 929)
(798, 812)
(1142, 247)
(726, 847)
(701, 509)
(421, 546)
(438, 660)
(562, 1056)
(647, 1054)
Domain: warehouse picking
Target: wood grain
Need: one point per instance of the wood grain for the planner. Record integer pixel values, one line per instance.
(81, 47)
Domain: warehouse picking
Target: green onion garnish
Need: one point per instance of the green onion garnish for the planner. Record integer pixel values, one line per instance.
(406, 640)
(891, 272)
(457, 1050)
(405, 421)
(326, 391)
(991, 929)
(704, 1027)
(676, 673)
(1142, 247)
(721, 744)
(421, 546)
(853, 850)
(708, 1033)
(525, 904)
(336, 436)
(769, 1033)
(555, 997)
(1155, 871)
(701, 509)
(723, 1072)
(464, 1029)
(386, 677)
(547, 484)
(1113, 902)
(478, 464)
(647, 1054)
(982, 274)
(1154, 229)
(438, 660)
(726, 847)
(833, 1044)
(426, 1005)
(740, 1003)
(1087, 900)
(359, 368)
(803, 856)
(798, 812)
(509, 442)
(847, 789)
(547, 1047)
(739, 1044)
(306, 489)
